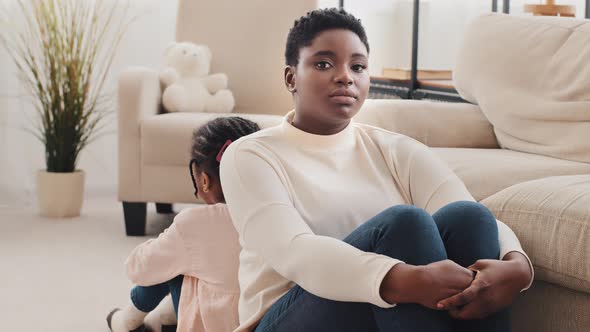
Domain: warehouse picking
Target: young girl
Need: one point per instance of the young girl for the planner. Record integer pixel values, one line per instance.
(196, 258)
(348, 227)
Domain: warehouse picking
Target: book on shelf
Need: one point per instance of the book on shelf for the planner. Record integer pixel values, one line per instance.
(423, 74)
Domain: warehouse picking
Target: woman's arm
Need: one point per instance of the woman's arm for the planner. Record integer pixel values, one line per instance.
(433, 185)
(158, 260)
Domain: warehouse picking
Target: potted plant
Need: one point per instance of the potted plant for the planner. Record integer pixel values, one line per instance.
(63, 53)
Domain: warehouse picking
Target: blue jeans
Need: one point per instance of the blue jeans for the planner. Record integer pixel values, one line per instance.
(147, 298)
(462, 231)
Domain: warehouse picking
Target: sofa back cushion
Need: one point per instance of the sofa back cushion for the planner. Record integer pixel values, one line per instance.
(531, 78)
(247, 39)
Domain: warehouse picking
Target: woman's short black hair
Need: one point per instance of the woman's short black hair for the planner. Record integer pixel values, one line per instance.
(307, 27)
(212, 137)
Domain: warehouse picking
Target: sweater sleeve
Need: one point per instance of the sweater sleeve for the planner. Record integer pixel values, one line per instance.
(432, 185)
(270, 226)
(159, 260)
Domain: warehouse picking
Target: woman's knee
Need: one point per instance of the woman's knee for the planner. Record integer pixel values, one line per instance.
(465, 216)
(409, 233)
(405, 219)
(469, 231)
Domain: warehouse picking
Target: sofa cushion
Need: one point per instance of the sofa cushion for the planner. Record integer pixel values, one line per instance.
(487, 171)
(551, 217)
(530, 77)
(436, 124)
(166, 138)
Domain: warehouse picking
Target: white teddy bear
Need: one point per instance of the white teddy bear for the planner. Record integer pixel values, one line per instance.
(188, 87)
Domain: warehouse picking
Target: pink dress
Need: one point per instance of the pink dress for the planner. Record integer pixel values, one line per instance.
(202, 245)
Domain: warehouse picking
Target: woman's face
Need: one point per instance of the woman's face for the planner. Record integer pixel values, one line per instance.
(330, 82)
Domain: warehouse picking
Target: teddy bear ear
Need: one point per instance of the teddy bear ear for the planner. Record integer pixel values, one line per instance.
(169, 48)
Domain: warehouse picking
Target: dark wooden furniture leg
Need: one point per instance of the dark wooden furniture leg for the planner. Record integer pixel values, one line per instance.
(135, 218)
(164, 208)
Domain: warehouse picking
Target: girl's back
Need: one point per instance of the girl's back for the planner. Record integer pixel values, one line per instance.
(202, 245)
(210, 227)
(210, 288)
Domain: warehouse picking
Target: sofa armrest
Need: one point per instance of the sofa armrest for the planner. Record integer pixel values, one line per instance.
(436, 124)
(139, 96)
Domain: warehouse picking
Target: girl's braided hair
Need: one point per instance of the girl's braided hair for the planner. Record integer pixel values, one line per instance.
(209, 139)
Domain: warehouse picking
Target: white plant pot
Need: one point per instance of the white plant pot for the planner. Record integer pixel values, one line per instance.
(60, 195)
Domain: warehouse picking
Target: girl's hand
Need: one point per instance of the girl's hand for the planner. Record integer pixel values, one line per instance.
(426, 284)
(495, 286)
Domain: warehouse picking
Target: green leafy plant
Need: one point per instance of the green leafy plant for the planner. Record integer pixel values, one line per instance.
(63, 53)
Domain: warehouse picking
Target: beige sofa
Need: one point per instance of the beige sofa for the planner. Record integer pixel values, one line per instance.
(522, 146)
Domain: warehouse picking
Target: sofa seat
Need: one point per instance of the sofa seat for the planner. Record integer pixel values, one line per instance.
(177, 128)
(551, 217)
(488, 171)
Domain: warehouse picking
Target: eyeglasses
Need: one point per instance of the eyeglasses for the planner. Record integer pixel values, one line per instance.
(190, 167)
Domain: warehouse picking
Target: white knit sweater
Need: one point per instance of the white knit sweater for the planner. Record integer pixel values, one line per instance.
(293, 196)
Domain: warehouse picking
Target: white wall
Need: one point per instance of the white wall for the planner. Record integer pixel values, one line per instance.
(21, 155)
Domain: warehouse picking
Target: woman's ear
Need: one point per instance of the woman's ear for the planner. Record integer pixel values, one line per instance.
(290, 79)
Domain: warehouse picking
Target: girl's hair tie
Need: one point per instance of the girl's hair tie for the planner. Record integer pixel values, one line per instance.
(222, 150)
